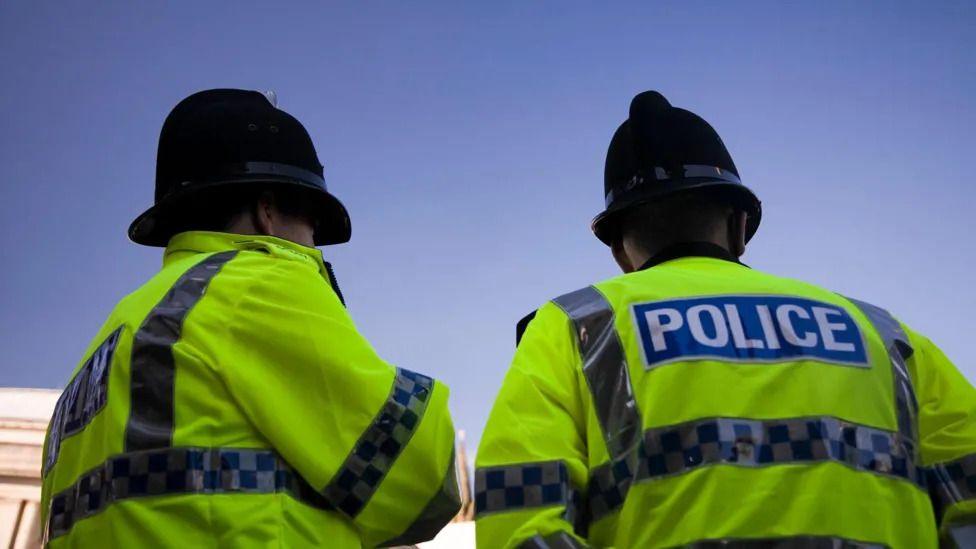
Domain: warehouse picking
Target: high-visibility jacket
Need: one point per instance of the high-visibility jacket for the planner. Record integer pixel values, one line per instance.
(231, 402)
(702, 403)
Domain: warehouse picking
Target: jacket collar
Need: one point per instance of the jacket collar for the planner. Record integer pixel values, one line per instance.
(689, 249)
(198, 242)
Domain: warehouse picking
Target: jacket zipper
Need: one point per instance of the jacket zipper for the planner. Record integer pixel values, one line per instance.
(334, 282)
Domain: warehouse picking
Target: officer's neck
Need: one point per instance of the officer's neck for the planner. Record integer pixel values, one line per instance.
(676, 250)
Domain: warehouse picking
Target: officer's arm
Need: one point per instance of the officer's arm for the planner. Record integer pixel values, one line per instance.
(947, 429)
(531, 464)
(376, 441)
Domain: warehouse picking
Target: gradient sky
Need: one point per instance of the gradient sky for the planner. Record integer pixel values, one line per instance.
(468, 143)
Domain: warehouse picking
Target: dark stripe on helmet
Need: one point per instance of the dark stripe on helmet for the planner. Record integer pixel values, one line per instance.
(689, 171)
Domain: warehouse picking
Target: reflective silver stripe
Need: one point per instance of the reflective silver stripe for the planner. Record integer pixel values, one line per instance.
(791, 542)
(899, 350)
(153, 366)
(952, 482)
(523, 486)
(962, 536)
(373, 456)
(439, 511)
(949, 482)
(681, 448)
(558, 540)
(175, 471)
(605, 368)
(607, 374)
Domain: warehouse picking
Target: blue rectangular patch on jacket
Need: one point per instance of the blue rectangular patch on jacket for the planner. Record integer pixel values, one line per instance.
(83, 398)
(747, 328)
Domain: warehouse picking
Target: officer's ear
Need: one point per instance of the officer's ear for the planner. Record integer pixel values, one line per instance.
(263, 214)
(737, 232)
(620, 255)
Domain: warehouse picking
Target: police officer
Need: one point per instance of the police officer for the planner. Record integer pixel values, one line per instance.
(693, 401)
(230, 401)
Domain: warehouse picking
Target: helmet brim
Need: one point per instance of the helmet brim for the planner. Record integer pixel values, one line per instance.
(155, 226)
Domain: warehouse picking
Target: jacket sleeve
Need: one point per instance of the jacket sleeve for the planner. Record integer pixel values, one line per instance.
(531, 463)
(376, 442)
(947, 433)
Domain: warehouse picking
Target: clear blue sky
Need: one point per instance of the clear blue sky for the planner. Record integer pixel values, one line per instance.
(468, 142)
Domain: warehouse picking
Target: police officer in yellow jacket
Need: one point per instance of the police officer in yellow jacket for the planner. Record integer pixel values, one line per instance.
(230, 401)
(694, 402)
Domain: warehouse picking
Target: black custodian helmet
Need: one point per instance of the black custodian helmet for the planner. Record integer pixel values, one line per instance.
(219, 141)
(662, 150)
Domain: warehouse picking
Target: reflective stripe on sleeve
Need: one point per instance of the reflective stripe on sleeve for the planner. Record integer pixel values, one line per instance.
(371, 459)
(608, 377)
(153, 366)
(605, 368)
(525, 486)
(899, 351)
(176, 471)
(952, 482)
(962, 535)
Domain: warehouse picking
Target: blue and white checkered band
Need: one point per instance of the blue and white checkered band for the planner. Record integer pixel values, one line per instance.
(373, 456)
(82, 399)
(661, 175)
(172, 471)
(953, 482)
(682, 448)
(523, 486)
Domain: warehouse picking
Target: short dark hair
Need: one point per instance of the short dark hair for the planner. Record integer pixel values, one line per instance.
(687, 216)
(216, 210)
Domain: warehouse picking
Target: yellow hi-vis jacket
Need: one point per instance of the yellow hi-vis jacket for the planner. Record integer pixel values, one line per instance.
(701, 403)
(231, 402)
